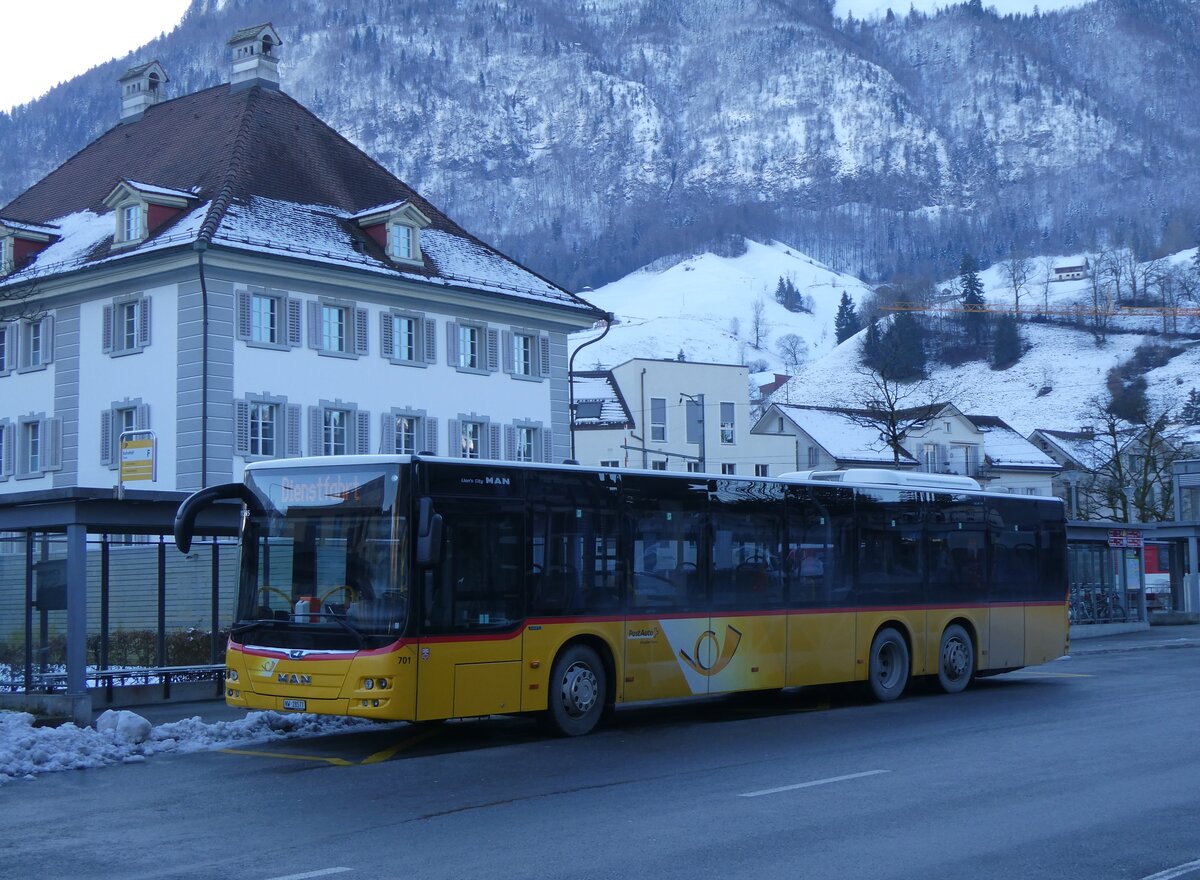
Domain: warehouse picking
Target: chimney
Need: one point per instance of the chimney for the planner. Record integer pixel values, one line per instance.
(255, 56)
(141, 87)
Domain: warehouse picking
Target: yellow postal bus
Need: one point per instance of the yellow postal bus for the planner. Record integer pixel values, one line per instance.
(421, 588)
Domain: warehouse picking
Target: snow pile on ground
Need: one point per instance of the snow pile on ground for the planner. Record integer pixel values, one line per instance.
(26, 751)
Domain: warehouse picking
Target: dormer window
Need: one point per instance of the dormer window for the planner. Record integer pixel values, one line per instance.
(6, 255)
(396, 227)
(403, 240)
(21, 242)
(130, 226)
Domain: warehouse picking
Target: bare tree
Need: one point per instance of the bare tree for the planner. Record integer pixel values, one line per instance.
(1017, 271)
(793, 349)
(759, 327)
(1100, 306)
(894, 406)
(1046, 266)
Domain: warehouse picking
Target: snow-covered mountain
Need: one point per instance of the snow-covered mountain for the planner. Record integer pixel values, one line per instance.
(589, 139)
(691, 306)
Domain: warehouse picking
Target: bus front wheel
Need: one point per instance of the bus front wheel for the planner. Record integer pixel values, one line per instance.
(956, 660)
(577, 691)
(889, 665)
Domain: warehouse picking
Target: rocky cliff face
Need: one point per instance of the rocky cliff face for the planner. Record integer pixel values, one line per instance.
(588, 139)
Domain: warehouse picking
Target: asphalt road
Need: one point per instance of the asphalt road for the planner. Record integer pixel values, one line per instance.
(1085, 768)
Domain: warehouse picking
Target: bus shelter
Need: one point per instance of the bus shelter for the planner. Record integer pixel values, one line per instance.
(1105, 572)
(78, 568)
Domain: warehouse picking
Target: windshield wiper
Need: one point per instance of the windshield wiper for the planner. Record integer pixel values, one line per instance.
(349, 627)
(238, 629)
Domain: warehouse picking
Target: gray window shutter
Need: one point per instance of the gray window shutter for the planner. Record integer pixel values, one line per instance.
(243, 314)
(452, 343)
(47, 339)
(8, 436)
(315, 444)
(293, 429)
(431, 435)
(430, 341)
(141, 416)
(387, 342)
(510, 442)
(493, 449)
(544, 356)
(506, 342)
(314, 325)
(241, 427)
(547, 445)
(106, 438)
(144, 321)
(387, 432)
(360, 331)
(493, 350)
(454, 439)
(107, 340)
(293, 322)
(362, 432)
(52, 431)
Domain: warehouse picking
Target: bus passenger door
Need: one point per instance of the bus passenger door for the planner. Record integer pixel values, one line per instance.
(473, 613)
(1013, 533)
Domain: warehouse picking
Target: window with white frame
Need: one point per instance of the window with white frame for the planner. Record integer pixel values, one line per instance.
(814, 456)
(727, 425)
(36, 348)
(121, 416)
(728, 468)
(7, 261)
(658, 464)
(38, 446)
(337, 328)
(8, 347)
(338, 428)
(762, 470)
(268, 318)
(524, 354)
(658, 419)
(408, 338)
(471, 439)
(693, 467)
(610, 463)
(408, 432)
(126, 325)
(528, 441)
(264, 318)
(266, 426)
(474, 436)
(526, 438)
(131, 223)
(403, 241)
(472, 348)
(7, 449)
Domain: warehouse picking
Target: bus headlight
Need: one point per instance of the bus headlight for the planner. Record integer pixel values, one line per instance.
(383, 683)
(369, 683)
(231, 675)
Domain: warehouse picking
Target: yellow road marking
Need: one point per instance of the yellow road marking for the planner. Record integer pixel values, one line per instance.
(338, 762)
(389, 752)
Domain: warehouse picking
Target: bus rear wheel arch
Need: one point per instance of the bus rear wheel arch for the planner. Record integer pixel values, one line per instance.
(888, 665)
(956, 659)
(578, 690)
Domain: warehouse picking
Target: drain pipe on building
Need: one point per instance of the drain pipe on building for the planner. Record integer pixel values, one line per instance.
(201, 246)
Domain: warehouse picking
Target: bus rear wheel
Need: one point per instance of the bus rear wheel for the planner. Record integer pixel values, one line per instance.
(578, 690)
(889, 665)
(956, 660)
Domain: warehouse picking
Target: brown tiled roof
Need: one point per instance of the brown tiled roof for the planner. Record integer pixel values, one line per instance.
(236, 148)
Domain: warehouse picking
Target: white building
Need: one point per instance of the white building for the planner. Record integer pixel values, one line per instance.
(228, 272)
(672, 415)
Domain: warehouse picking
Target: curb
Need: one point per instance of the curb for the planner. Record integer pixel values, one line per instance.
(1145, 646)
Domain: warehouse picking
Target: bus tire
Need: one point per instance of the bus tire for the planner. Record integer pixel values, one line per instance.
(956, 660)
(578, 689)
(889, 665)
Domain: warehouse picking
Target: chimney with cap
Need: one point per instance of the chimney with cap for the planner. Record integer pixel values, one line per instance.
(141, 87)
(255, 53)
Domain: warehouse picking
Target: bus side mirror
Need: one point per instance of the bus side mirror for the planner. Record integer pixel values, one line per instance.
(185, 517)
(429, 534)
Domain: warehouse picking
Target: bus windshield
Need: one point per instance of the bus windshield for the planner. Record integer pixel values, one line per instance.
(325, 563)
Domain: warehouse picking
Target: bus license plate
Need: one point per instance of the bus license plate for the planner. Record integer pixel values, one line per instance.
(298, 705)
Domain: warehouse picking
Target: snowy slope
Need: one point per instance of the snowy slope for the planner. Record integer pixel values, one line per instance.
(692, 306)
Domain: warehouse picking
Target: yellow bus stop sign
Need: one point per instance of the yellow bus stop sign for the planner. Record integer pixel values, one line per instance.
(137, 459)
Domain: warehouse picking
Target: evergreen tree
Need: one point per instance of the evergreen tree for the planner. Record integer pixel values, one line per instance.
(1006, 345)
(1190, 414)
(902, 349)
(871, 350)
(846, 324)
(975, 318)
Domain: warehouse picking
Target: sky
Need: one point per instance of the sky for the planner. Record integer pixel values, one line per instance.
(83, 33)
(873, 8)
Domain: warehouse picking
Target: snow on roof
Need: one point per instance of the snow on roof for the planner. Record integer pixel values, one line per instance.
(1005, 448)
(21, 226)
(1082, 446)
(160, 190)
(598, 401)
(841, 437)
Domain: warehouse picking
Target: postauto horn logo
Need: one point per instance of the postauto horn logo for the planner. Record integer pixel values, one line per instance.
(723, 652)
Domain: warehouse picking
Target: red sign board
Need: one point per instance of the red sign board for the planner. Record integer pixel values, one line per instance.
(1124, 538)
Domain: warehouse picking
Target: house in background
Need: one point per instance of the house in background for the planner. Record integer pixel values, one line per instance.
(672, 415)
(827, 439)
(1072, 271)
(227, 271)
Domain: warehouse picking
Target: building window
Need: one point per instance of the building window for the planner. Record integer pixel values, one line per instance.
(408, 432)
(468, 347)
(38, 446)
(339, 428)
(726, 423)
(528, 441)
(266, 427)
(658, 465)
(728, 469)
(762, 470)
(126, 325)
(121, 416)
(814, 456)
(524, 354)
(472, 347)
(264, 319)
(36, 344)
(7, 348)
(7, 262)
(610, 463)
(403, 242)
(337, 329)
(268, 319)
(472, 440)
(407, 338)
(658, 419)
(7, 449)
(130, 223)
(335, 432)
(473, 436)
(693, 467)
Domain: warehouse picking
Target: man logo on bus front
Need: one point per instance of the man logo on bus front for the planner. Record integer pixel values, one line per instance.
(724, 652)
